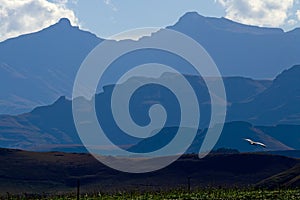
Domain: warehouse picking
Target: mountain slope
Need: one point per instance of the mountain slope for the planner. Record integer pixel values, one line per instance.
(240, 49)
(287, 178)
(45, 128)
(37, 68)
(278, 104)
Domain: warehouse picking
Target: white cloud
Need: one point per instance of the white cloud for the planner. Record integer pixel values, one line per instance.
(258, 12)
(298, 14)
(25, 16)
(60, 1)
(291, 22)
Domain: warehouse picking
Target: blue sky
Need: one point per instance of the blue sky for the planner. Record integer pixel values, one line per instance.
(109, 17)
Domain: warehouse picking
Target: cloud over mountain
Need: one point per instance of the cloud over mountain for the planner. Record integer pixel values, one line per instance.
(256, 12)
(26, 16)
(298, 14)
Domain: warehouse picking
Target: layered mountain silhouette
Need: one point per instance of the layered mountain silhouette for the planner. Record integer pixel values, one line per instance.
(278, 104)
(50, 128)
(37, 68)
(53, 124)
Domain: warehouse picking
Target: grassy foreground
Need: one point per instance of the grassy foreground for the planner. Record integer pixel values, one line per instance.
(215, 194)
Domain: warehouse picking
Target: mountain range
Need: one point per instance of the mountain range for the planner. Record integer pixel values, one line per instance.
(37, 68)
(51, 128)
(41, 150)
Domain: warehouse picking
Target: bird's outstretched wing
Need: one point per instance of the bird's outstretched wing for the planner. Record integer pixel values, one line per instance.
(248, 140)
(261, 144)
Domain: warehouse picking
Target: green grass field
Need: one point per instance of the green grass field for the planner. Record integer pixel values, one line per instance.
(214, 194)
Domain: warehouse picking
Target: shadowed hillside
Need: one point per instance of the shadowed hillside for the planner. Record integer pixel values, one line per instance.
(30, 172)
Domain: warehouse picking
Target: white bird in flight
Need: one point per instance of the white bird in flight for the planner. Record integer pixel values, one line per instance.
(256, 143)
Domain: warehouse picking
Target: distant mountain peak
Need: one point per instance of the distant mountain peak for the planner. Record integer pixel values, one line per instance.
(220, 24)
(192, 14)
(64, 22)
(61, 98)
(191, 17)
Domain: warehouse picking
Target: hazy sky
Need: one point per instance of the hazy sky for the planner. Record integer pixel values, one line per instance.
(108, 17)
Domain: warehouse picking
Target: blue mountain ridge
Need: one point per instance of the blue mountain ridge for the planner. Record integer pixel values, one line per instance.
(51, 128)
(242, 50)
(37, 68)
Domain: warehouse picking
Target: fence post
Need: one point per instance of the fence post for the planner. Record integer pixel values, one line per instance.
(78, 189)
(189, 183)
